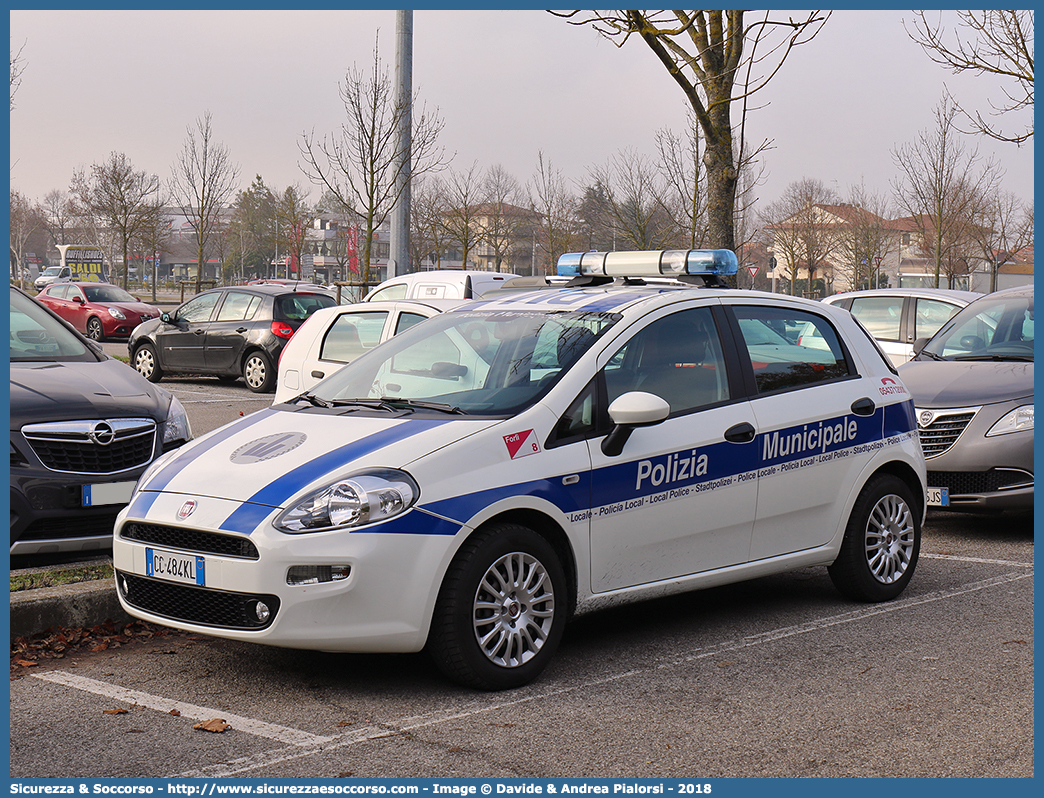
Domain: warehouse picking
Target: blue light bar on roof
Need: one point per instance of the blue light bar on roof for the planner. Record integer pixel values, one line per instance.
(649, 263)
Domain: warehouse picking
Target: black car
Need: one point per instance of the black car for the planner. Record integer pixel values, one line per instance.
(83, 429)
(227, 332)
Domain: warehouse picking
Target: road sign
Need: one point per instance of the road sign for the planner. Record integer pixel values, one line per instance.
(752, 269)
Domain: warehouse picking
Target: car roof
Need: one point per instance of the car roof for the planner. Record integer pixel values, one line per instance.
(929, 293)
(1015, 290)
(441, 305)
(617, 298)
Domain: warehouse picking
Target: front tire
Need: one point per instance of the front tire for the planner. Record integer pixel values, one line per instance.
(501, 610)
(882, 542)
(146, 363)
(94, 329)
(258, 372)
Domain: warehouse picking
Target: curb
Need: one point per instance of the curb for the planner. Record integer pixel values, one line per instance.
(82, 604)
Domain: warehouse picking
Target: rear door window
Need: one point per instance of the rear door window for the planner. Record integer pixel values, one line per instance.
(782, 362)
(881, 315)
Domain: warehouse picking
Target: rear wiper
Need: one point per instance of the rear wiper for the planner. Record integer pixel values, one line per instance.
(413, 403)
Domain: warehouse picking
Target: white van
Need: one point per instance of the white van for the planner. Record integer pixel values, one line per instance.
(439, 284)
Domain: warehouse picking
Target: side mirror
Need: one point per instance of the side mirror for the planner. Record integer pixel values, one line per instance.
(630, 411)
(78, 299)
(919, 344)
(165, 317)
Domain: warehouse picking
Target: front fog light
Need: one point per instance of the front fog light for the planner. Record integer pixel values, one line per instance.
(262, 611)
(317, 574)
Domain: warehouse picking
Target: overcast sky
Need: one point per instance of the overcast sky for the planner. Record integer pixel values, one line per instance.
(508, 85)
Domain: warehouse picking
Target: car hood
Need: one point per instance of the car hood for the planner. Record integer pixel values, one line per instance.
(272, 455)
(132, 308)
(965, 383)
(65, 391)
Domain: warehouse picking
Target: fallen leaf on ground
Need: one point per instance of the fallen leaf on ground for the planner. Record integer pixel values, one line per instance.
(115, 711)
(216, 725)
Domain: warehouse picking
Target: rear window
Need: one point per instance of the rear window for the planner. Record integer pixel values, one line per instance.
(298, 307)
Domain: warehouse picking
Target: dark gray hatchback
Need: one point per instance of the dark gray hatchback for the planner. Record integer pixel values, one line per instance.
(238, 331)
(83, 429)
(972, 386)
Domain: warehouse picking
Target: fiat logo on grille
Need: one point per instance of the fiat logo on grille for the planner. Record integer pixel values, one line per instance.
(101, 433)
(925, 418)
(187, 509)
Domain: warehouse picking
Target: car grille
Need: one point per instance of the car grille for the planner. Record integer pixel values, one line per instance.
(201, 605)
(945, 428)
(88, 525)
(93, 447)
(965, 482)
(195, 540)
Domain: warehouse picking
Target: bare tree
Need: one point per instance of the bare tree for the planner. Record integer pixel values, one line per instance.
(362, 164)
(26, 219)
(803, 233)
(461, 218)
(635, 202)
(18, 65)
(684, 196)
(940, 184)
(993, 42)
(60, 216)
(718, 60)
(293, 215)
(120, 200)
(429, 238)
(202, 183)
(1004, 227)
(504, 219)
(557, 208)
(866, 240)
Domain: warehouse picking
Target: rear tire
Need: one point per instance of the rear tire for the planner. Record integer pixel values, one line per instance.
(501, 610)
(147, 364)
(258, 373)
(882, 542)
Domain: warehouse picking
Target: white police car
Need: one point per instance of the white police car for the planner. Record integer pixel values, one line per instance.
(473, 482)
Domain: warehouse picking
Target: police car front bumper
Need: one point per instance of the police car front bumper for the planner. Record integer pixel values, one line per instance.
(257, 587)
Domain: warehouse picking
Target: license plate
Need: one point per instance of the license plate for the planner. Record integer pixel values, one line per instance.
(107, 493)
(187, 569)
(939, 497)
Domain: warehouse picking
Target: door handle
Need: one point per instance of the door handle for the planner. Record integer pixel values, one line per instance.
(318, 375)
(864, 406)
(241, 329)
(197, 332)
(740, 433)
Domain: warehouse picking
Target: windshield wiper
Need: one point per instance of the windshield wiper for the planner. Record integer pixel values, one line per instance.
(312, 399)
(373, 404)
(932, 355)
(413, 403)
(997, 358)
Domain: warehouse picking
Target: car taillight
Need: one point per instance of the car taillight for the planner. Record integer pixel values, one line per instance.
(282, 330)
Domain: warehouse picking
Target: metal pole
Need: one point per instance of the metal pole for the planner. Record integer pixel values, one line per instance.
(400, 215)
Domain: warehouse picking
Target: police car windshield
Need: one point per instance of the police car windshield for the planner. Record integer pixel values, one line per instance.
(480, 363)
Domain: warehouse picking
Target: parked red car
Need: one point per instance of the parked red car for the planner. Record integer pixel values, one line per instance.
(98, 310)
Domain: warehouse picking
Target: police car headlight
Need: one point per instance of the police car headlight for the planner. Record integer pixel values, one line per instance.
(354, 501)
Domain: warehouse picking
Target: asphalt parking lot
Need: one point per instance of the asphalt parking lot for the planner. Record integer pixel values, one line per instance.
(776, 677)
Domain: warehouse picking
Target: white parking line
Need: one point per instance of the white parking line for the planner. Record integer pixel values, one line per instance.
(136, 698)
(977, 560)
(375, 731)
